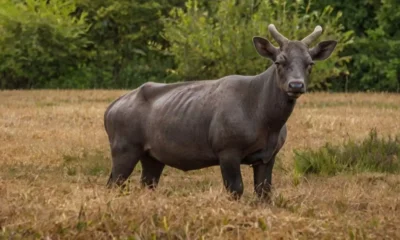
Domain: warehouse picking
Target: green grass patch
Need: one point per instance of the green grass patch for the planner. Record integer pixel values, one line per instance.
(350, 103)
(89, 163)
(373, 154)
(46, 104)
(95, 163)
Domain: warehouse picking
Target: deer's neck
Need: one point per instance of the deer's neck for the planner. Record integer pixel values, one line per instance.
(271, 103)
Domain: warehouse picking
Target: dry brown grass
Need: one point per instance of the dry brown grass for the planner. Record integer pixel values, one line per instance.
(55, 161)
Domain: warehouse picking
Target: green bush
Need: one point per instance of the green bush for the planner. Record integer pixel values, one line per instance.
(358, 15)
(376, 63)
(121, 44)
(210, 44)
(376, 49)
(82, 43)
(128, 46)
(40, 42)
(377, 56)
(373, 154)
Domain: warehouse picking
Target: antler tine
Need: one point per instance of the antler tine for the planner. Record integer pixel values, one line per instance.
(313, 36)
(276, 35)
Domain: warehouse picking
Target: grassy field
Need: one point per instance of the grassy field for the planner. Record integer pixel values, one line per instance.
(55, 161)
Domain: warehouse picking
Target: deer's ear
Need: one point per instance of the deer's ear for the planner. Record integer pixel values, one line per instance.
(322, 50)
(265, 48)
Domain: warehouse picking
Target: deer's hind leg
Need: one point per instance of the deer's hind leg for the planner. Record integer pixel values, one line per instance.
(151, 171)
(124, 159)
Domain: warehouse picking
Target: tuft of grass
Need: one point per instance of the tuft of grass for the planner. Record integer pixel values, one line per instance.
(373, 154)
(46, 104)
(350, 103)
(95, 163)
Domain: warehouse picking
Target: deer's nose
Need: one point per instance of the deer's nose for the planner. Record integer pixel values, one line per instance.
(296, 85)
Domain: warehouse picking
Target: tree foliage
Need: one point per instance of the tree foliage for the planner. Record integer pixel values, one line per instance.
(375, 51)
(121, 44)
(82, 43)
(214, 45)
(128, 46)
(40, 41)
(377, 56)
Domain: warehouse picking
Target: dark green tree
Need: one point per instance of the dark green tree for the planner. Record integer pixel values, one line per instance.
(376, 49)
(209, 45)
(40, 42)
(127, 42)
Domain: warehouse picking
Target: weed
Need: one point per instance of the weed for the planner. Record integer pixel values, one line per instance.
(373, 154)
(93, 163)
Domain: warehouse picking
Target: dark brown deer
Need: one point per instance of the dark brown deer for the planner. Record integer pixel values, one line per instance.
(227, 122)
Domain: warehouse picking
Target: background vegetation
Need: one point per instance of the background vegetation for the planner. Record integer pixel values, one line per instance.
(121, 44)
(372, 154)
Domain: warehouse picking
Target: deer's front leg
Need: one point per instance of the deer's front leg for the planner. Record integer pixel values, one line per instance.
(263, 178)
(263, 170)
